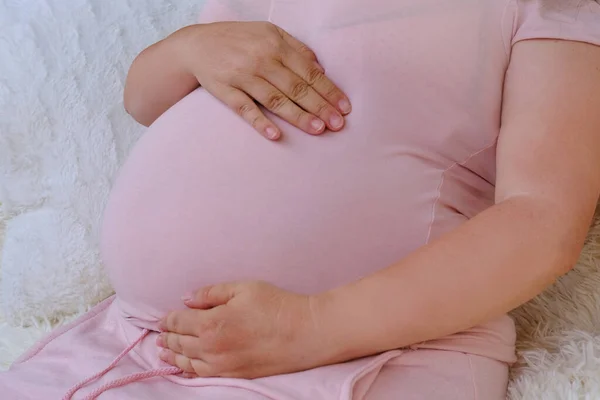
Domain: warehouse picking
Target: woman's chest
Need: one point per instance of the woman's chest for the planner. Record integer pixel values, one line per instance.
(425, 76)
(429, 72)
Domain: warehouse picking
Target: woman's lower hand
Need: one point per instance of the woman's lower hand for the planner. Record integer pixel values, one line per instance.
(244, 330)
(245, 63)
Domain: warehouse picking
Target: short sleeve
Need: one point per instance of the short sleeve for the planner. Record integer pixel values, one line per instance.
(234, 10)
(577, 20)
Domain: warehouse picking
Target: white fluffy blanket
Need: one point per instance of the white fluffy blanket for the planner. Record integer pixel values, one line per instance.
(63, 134)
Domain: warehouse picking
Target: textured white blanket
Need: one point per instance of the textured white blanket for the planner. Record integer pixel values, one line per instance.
(63, 134)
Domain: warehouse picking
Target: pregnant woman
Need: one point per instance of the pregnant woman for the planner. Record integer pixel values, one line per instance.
(428, 166)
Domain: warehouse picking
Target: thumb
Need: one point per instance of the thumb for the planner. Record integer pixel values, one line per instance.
(211, 296)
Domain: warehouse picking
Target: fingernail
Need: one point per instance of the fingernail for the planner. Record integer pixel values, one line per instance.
(160, 341)
(161, 325)
(187, 298)
(336, 122)
(272, 133)
(317, 125)
(345, 106)
(320, 67)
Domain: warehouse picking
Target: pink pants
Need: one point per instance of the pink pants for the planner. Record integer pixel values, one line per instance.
(76, 352)
(441, 375)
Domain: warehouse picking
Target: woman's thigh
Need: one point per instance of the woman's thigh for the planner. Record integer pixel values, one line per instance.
(441, 375)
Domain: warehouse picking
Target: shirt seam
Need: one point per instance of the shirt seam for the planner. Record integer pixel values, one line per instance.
(475, 391)
(508, 45)
(441, 184)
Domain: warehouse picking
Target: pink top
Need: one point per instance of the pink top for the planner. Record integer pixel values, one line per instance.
(204, 199)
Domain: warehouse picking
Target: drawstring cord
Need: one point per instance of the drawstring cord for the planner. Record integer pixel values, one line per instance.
(122, 381)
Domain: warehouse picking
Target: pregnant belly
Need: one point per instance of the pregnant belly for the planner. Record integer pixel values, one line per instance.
(203, 199)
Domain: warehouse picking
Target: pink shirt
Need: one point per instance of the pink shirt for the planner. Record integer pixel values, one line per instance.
(204, 199)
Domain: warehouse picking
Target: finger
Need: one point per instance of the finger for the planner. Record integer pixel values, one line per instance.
(212, 296)
(318, 80)
(191, 367)
(188, 346)
(304, 95)
(279, 104)
(300, 47)
(189, 375)
(177, 360)
(246, 108)
(186, 364)
(186, 322)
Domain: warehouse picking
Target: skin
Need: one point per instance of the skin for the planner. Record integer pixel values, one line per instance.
(241, 64)
(548, 184)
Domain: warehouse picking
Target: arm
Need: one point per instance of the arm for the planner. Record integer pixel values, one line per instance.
(157, 80)
(242, 64)
(548, 184)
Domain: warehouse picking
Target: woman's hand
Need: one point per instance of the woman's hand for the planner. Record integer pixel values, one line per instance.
(244, 330)
(243, 62)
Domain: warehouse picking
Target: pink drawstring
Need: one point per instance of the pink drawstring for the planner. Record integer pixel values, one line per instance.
(132, 378)
(122, 381)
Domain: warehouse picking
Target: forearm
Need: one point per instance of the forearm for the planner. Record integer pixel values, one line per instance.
(497, 261)
(158, 79)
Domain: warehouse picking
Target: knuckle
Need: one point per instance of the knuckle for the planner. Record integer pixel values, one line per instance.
(298, 117)
(234, 77)
(215, 339)
(256, 46)
(313, 75)
(256, 64)
(199, 331)
(186, 364)
(169, 340)
(304, 49)
(177, 343)
(252, 59)
(275, 101)
(272, 43)
(256, 122)
(197, 368)
(210, 325)
(279, 45)
(173, 321)
(237, 66)
(191, 352)
(243, 110)
(299, 89)
(331, 91)
(321, 108)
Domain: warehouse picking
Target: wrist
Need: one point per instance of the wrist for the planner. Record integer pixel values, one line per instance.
(335, 327)
(182, 46)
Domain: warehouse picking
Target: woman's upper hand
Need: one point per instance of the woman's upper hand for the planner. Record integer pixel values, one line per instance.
(245, 63)
(245, 330)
